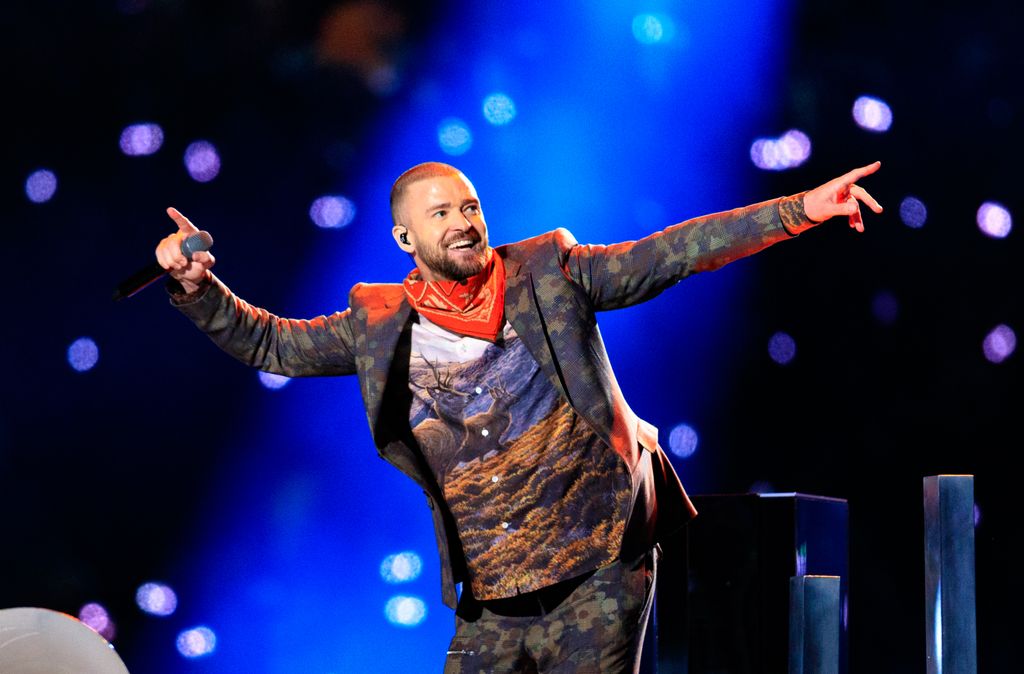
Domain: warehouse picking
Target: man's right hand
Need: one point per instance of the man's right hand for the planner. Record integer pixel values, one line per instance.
(189, 273)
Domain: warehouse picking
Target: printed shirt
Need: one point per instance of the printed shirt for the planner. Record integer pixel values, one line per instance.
(537, 497)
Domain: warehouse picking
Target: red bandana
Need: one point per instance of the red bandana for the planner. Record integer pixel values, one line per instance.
(474, 307)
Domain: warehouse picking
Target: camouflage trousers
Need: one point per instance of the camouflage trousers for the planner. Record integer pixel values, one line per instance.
(593, 624)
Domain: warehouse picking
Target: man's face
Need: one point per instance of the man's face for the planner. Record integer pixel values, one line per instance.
(445, 227)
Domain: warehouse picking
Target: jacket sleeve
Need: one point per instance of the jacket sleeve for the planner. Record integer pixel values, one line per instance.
(324, 345)
(623, 274)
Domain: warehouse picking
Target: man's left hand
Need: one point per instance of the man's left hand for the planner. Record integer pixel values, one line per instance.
(842, 196)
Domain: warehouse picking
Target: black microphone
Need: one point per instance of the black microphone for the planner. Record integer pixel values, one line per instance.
(142, 278)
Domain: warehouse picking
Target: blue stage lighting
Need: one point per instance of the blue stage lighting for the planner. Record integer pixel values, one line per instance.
(402, 567)
(197, 642)
(156, 599)
(872, 114)
(202, 161)
(913, 212)
(653, 28)
(273, 381)
(40, 186)
(999, 344)
(332, 212)
(499, 109)
(404, 611)
(682, 441)
(141, 139)
(782, 348)
(994, 220)
(454, 136)
(83, 354)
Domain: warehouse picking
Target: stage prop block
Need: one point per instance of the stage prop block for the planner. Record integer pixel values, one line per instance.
(814, 613)
(949, 574)
(723, 595)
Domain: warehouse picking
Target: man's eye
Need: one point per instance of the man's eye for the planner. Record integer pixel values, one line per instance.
(440, 214)
(473, 208)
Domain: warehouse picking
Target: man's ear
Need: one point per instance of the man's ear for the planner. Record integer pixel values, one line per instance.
(401, 235)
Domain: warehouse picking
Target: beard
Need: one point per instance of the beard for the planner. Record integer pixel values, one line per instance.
(454, 265)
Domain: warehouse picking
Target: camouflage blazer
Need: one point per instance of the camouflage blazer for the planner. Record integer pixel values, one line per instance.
(554, 287)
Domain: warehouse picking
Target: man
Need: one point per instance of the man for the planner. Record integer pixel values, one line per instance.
(486, 381)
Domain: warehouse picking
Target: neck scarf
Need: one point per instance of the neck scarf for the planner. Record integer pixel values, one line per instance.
(474, 306)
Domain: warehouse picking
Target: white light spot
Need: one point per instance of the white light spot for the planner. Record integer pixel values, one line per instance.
(141, 139)
(95, 617)
(789, 150)
(653, 28)
(494, 478)
(332, 212)
(478, 390)
(999, 344)
(197, 642)
(156, 599)
(454, 136)
(273, 381)
(782, 348)
(202, 161)
(994, 220)
(485, 432)
(83, 354)
(913, 212)
(682, 441)
(40, 186)
(405, 611)
(504, 525)
(499, 109)
(402, 567)
(872, 114)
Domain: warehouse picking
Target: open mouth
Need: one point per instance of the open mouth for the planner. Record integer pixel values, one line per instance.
(461, 244)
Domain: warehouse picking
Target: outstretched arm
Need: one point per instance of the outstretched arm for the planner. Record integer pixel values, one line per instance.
(842, 196)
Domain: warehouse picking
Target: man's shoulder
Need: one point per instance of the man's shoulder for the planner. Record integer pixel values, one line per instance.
(557, 240)
(376, 294)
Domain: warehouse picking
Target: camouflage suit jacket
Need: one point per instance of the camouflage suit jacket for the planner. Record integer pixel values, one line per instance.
(554, 287)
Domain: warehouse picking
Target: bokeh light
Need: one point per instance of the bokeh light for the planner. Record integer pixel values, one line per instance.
(789, 150)
(999, 344)
(402, 567)
(499, 109)
(273, 381)
(197, 642)
(40, 186)
(682, 441)
(202, 161)
(156, 599)
(872, 114)
(782, 348)
(977, 515)
(141, 139)
(83, 354)
(885, 307)
(653, 28)
(404, 611)
(332, 212)
(913, 212)
(994, 220)
(454, 136)
(95, 617)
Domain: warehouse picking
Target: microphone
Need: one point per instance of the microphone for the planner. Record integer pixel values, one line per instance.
(151, 272)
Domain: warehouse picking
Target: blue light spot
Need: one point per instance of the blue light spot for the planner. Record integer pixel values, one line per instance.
(682, 441)
(782, 348)
(273, 381)
(913, 212)
(41, 186)
(83, 354)
(653, 28)
(403, 567)
(885, 307)
(403, 611)
(197, 642)
(156, 599)
(454, 136)
(499, 109)
(141, 139)
(202, 161)
(872, 114)
(332, 212)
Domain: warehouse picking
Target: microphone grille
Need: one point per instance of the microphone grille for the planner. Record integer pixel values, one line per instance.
(195, 243)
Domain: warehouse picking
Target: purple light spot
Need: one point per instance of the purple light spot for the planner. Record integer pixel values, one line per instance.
(83, 354)
(202, 161)
(885, 307)
(273, 381)
(405, 611)
(156, 599)
(789, 150)
(197, 642)
(332, 212)
(682, 441)
(499, 109)
(872, 114)
(40, 186)
(913, 212)
(782, 348)
(454, 136)
(96, 618)
(994, 220)
(977, 515)
(999, 344)
(141, 139)
(403, 567)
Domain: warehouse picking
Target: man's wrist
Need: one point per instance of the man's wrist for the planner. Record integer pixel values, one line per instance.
(794, 216)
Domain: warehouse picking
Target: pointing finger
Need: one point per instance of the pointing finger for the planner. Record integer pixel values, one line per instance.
(862, 194)
(858, 173)
(184, 224)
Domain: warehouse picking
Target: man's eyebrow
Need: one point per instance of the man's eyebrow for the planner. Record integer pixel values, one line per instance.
(434, 207)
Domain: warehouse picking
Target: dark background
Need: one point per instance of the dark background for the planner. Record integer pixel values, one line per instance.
(115, 476)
